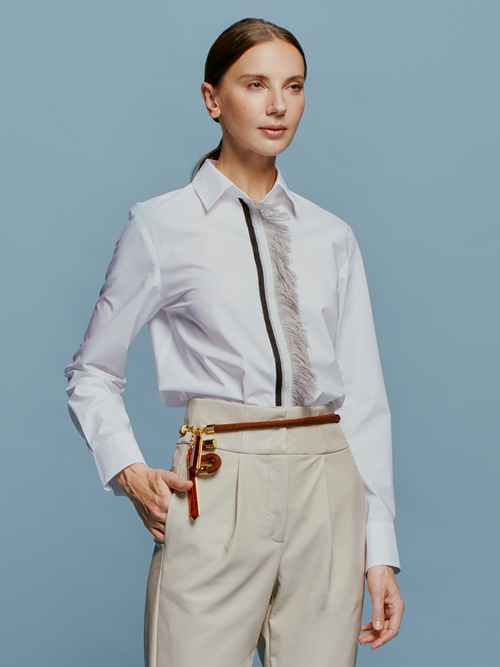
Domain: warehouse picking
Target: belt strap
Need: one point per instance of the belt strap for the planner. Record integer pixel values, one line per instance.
(275, 423)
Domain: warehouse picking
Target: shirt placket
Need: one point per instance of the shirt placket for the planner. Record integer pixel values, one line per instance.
(277, 340)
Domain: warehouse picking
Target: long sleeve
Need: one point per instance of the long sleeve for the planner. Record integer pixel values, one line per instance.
(129, 298)
(365, 416)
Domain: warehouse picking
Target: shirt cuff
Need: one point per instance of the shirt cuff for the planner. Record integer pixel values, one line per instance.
(381, 546)
(114, 455)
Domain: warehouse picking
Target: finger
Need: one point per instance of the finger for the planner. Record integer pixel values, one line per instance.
(378, 614)
(175, 482)
(155, 526)
(368, 637)
(153, 523)
(391, 629)
(376, 637)
(158, 518)
(157, 533)
(153, 518)
(367, 634)
(383, 639)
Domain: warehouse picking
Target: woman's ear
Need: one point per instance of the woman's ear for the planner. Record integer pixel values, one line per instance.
(209, 94)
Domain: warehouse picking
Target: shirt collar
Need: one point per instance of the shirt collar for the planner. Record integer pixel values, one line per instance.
(210, 184)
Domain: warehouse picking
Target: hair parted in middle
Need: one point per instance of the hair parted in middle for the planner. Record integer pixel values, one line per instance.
(230, 45)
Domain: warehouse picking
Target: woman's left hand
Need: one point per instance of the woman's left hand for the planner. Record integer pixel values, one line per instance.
(388, 607)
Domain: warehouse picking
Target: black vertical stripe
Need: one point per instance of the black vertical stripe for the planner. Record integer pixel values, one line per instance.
(265, 308)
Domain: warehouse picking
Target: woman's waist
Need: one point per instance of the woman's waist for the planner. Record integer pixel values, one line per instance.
(305, 436)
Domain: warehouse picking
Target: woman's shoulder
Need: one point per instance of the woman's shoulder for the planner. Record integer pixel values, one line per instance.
(170, 207)
(315, 214)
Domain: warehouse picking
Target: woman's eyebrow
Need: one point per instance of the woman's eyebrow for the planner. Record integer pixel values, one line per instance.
(266, 78)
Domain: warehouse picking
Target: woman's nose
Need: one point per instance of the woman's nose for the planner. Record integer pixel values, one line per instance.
(277, 105)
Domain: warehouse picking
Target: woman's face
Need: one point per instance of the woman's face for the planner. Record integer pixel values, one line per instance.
(260, 99)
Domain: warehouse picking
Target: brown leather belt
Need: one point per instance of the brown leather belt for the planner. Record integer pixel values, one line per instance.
(200, 464)
(277, 423)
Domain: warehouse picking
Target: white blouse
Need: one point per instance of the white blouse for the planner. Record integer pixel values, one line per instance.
(264, 303)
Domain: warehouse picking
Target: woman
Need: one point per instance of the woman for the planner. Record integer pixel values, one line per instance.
(258, 311)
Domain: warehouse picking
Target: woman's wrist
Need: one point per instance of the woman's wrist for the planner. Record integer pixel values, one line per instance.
(128, 474)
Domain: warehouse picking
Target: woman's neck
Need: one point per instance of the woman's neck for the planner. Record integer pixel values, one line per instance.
(253, 174)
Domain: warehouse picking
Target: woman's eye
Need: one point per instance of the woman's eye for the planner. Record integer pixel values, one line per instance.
(255, 84)
(296, 86)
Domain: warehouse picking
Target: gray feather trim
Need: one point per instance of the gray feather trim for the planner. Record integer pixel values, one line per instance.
(287, 301)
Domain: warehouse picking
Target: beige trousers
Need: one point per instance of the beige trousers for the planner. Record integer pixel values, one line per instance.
(277, 551)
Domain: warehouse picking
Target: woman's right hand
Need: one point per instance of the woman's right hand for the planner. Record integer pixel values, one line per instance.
(151, 490)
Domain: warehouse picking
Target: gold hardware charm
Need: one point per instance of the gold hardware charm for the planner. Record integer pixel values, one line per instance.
(210, 463)
(208, 430)
(199, 464)
(210, 444)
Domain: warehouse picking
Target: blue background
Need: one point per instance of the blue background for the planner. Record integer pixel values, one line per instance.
(100, 109)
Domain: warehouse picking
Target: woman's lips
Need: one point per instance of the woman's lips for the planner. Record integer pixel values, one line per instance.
(271, 131)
